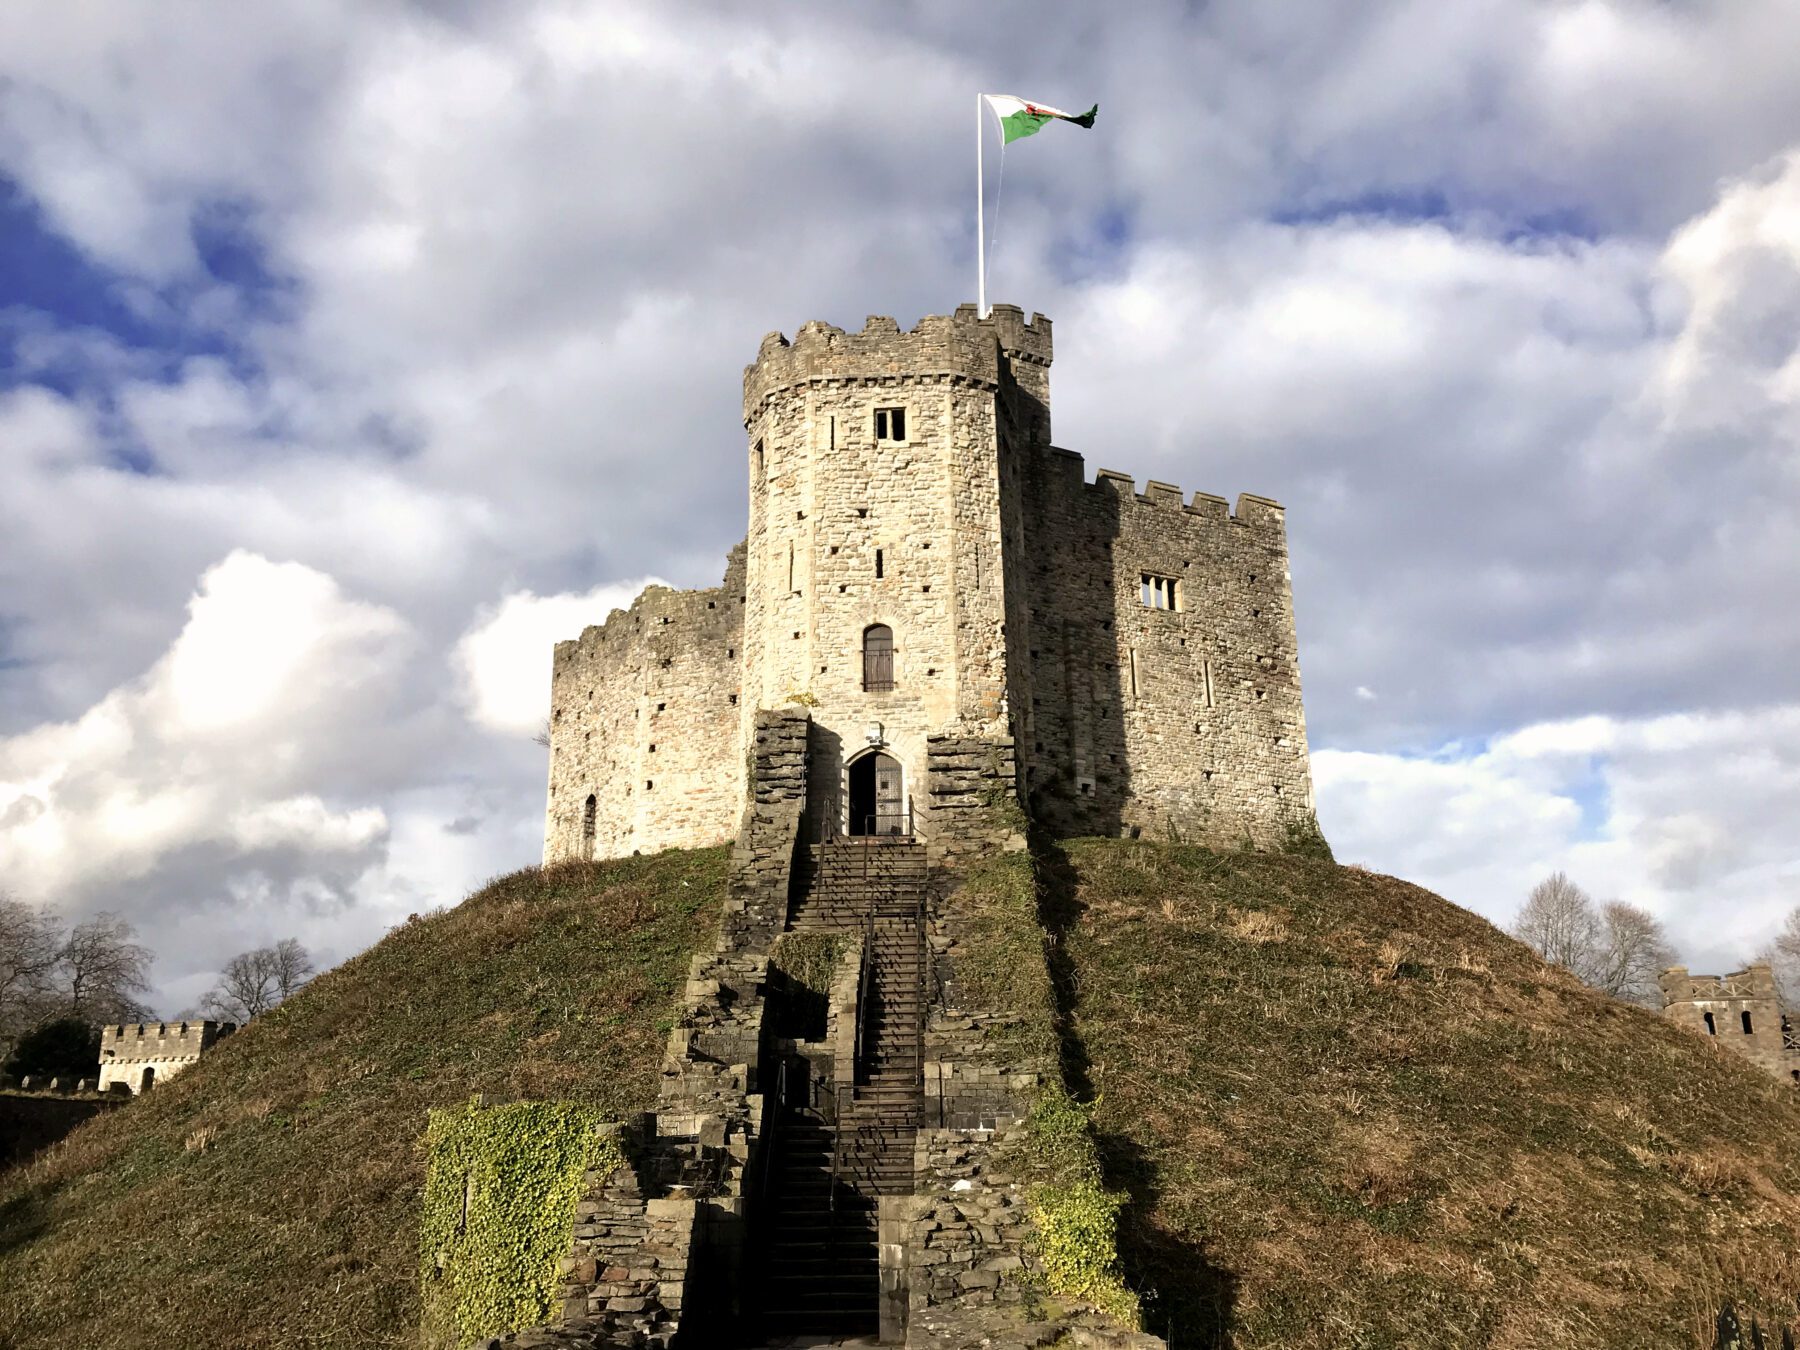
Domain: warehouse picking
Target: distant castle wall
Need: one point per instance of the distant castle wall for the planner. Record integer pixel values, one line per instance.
(142, 1054)
(1740, 1011)
(645, 726)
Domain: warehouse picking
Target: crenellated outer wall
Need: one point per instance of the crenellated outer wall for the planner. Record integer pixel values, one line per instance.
(1182, 723)
(163, 1048)
(644, 719)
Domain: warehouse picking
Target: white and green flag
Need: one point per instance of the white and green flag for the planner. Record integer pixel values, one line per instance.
(1020, 118)
(1017, 118)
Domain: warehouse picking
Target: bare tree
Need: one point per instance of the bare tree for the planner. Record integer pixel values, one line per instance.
(254, 982)
(291, 966)
(101, 970)
(1633, 951)
(29, 940)
(1558, 923)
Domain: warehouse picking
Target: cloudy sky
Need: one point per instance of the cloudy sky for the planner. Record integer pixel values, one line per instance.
(352, 353)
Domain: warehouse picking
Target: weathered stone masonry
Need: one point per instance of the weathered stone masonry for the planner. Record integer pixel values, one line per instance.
(908, 480)
(139, 1055)
(1740, 1011)
(645, 720)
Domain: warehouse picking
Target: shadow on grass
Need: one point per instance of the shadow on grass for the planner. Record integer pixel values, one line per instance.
(21, 1221)
(1188, 1300)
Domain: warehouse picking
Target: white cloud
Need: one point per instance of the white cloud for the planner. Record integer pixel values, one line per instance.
(276, 680)
(1686, 814)
(504, 659)
(1499, 299)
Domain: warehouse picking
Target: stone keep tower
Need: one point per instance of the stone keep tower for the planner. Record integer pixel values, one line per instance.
(874, 585)
(923, 568)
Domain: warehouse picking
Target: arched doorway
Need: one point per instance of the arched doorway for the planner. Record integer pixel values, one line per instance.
(148, 1081)
(878, 796)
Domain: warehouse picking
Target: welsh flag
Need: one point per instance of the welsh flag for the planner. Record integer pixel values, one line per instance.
(1019, 118)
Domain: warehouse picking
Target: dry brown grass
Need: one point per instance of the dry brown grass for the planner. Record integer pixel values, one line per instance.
(1367, 1118)
(268, 1197)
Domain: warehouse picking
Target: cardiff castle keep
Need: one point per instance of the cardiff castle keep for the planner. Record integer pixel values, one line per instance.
(926, 572)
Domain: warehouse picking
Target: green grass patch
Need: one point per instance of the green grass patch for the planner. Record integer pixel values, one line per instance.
(1000, 965)
(1003, 964)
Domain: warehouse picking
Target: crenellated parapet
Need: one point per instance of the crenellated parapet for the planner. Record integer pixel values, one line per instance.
(1740, 1011)
(921, 561)
(644, 716)
(1754, 982)
(162, 1040)
(957, 348)
(138, 1055)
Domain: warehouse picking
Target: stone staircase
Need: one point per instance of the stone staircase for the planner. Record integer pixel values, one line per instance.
(820, 1272)
(819, 1275)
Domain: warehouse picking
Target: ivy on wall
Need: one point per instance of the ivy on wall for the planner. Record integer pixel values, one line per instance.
(1077, 1218)
(500, 1192)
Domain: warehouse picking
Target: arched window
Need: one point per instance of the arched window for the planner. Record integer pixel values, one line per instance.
(878, 658)
(1711, 1027)
(1744, 1017)
(149, 1080)
(587, 826)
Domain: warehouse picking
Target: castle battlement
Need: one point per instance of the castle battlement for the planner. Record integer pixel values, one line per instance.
(659, 607)
(139, 1054)
(921, 562)
(957, 347)
(1756, 981)
(1068, 470)
(1740, 1011)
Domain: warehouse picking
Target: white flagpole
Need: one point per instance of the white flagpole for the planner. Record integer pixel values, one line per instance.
(980, 225)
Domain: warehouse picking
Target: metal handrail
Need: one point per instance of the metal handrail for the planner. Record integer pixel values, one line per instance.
(865, 977)
(896, 824)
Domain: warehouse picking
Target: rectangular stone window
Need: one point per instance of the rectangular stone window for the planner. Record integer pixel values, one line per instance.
(1159, 592)
(757, 460)
(890, 424)
(1206, 684)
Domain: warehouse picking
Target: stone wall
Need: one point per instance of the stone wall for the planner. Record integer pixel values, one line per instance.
(962, 1248)
(769, 832)
(32, 1121)
(1740, 1011)
(970, 784)
(163, 1049)
(1183, 722)
(645, 720)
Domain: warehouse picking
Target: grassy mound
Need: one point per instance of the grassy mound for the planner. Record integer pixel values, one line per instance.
(270, 1196)
(1350, 1114)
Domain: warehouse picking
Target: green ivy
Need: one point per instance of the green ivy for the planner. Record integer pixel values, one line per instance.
(1305, 838)
(500, 1193)
(1077, 1218)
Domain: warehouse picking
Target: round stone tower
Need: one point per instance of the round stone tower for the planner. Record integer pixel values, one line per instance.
(875, 587)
